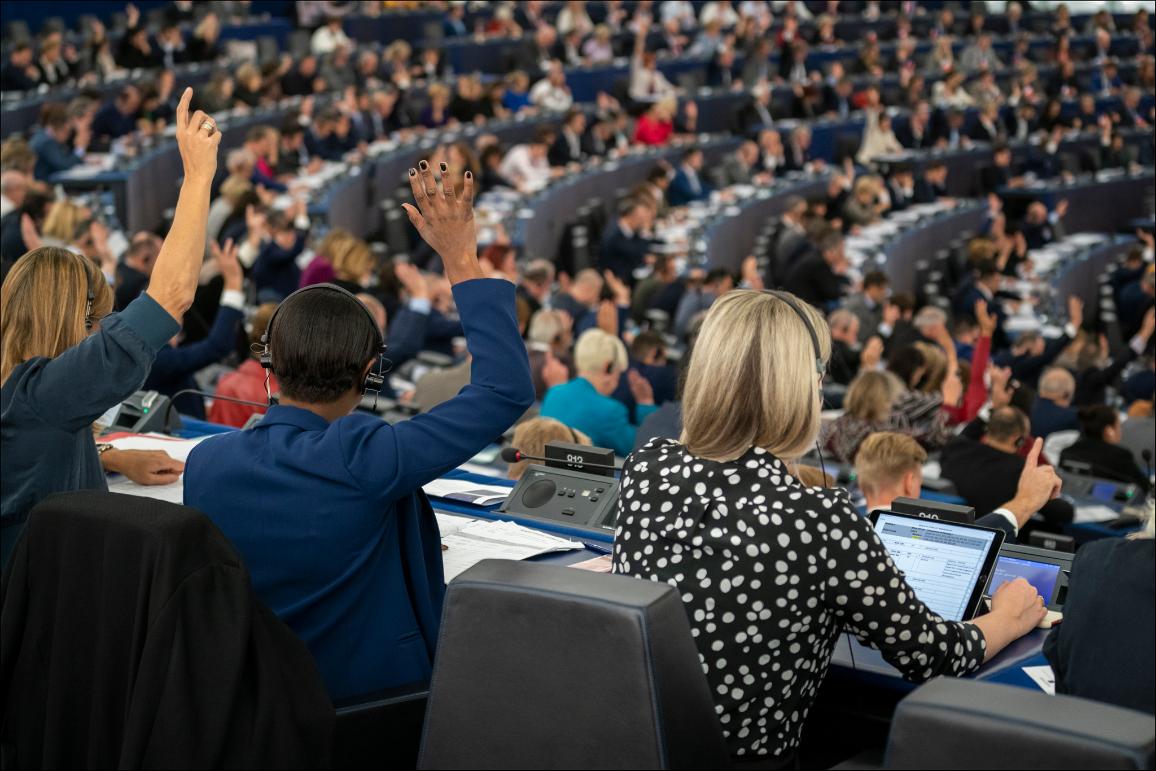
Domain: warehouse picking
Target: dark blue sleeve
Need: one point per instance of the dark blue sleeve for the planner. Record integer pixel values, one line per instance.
(393, 460)
(267, 182)
(172, 363)
(104, 369)
(998, 522)
(441, 327)
(407, 333)
(57, 157)
(274, 253)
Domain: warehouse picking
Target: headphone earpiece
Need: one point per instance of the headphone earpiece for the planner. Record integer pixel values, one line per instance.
(789, 300)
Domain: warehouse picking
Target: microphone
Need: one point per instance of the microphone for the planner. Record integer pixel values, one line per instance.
(173, 401)
(514, 455)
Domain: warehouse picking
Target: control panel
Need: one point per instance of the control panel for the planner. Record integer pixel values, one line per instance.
(576, 499)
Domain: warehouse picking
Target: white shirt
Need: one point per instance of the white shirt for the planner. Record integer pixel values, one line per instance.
(520, 168)
(545, 94)
(6, 205)
(325, 41)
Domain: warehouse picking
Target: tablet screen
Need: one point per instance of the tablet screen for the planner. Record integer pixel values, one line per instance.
(942, 561)
(1044, 576)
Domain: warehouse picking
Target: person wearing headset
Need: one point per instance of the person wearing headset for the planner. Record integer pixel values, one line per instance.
(772, 571)
(324, 503)
(67, 361)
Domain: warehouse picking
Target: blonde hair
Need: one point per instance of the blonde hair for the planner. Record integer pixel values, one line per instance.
(599, 351)
(884, 458)
(934, 367)
(63, 221)
(532, 435)
(43, 304)
(233, 188)
(351, 260)
(871, 394)
(752, 381)
(547, 326)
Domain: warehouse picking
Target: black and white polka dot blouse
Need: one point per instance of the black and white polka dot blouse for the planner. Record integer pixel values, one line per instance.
(771, 572)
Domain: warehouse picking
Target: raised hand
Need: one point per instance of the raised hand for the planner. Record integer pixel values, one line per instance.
(1076, 311)
(412, 279)
(1038, 484)
(987, 320)
(197, 140)
(872, 353)
(1001, 394)
(227, 263)
(445, 220)
(640, 388)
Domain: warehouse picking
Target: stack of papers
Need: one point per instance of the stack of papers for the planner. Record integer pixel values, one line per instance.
(469, 492)
(482, 540)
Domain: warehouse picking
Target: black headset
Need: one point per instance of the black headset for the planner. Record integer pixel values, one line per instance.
(790, 300)
(374, 381)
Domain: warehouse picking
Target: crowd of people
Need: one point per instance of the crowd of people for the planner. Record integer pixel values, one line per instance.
(711, 383)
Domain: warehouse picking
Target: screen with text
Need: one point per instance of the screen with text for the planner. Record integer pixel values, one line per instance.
(1042, 575)
(941, 561)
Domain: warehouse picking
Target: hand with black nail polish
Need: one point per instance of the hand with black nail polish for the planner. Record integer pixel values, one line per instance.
(445, 220)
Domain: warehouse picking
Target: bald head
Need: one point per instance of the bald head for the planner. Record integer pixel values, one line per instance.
(1058, 385)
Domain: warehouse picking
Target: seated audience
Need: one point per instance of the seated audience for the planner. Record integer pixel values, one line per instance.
(624, 248)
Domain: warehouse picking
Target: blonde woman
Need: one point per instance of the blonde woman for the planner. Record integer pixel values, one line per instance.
(66, 361)
(585, 402)
(866, 410)
(772, 572)
(353, 265)
(531, 437)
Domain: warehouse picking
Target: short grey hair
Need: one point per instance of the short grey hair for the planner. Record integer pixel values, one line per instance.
(929, 316)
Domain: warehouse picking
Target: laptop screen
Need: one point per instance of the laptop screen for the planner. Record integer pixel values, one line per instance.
(1044, 576)
(942, 561)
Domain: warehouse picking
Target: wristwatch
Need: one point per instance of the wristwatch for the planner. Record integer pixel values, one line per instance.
(103, 447)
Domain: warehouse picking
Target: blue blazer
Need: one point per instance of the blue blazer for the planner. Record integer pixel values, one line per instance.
(51, 156)
(330, 517)
(605, 420)
(174, 368)
(681, 191)
(1048, 417)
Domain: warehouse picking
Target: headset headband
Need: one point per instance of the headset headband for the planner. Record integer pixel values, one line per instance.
(375, 380)
(794, 305)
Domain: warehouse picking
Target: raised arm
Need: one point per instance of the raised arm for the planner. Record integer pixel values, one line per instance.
(175, 275)
(445, 221)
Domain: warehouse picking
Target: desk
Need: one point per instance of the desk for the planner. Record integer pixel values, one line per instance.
(1107, 202)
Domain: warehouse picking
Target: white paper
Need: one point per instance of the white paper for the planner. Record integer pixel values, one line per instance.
(464, 490)
(482, 539)
(1044, 677)
(448, 524)
(1094, 513)
(173, 493)
(177, 449)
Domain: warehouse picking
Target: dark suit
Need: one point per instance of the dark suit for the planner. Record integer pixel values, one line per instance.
(925, 192)
(812, 280)
(52, 156)
(621, 253)
(684, 189)
(992, 178)
(987, 478)
(562, 152)
(1048, 417)
(749, 117)
(844, 363)
(1107, 461)
(908, 139)
(1103, 650)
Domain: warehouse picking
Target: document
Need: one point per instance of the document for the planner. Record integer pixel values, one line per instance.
(177, 449)
(1044, 677)
(482, 539)
(469, 492)
(1094, 513)
(448, 524)
(173, 493)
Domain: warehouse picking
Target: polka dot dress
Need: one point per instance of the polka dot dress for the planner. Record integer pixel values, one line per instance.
(770, 573)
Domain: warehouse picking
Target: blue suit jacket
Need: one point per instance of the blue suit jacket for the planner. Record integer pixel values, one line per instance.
(603, 419)
(51, 156)
(681, 191)
(174, 368)
(1048, 417)
(330, 517)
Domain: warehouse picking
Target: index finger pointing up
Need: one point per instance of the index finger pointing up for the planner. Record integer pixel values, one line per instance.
(183, 108)
(1034, 455)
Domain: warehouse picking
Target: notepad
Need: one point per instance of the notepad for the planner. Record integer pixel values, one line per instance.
(481, 540)
(469, 492)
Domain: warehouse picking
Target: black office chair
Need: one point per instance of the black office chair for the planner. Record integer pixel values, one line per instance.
(953, 723)
(381, 729)
(545, 667)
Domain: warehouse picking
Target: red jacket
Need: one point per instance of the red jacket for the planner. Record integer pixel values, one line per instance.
(246, 382)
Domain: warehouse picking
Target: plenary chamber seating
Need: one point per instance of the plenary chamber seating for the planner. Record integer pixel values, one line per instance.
(540, 666)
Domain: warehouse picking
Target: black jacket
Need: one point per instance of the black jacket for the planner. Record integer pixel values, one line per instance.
(812, 280)
(1107, 461)
(1103, 650)
(132, 639)
(987, 478)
